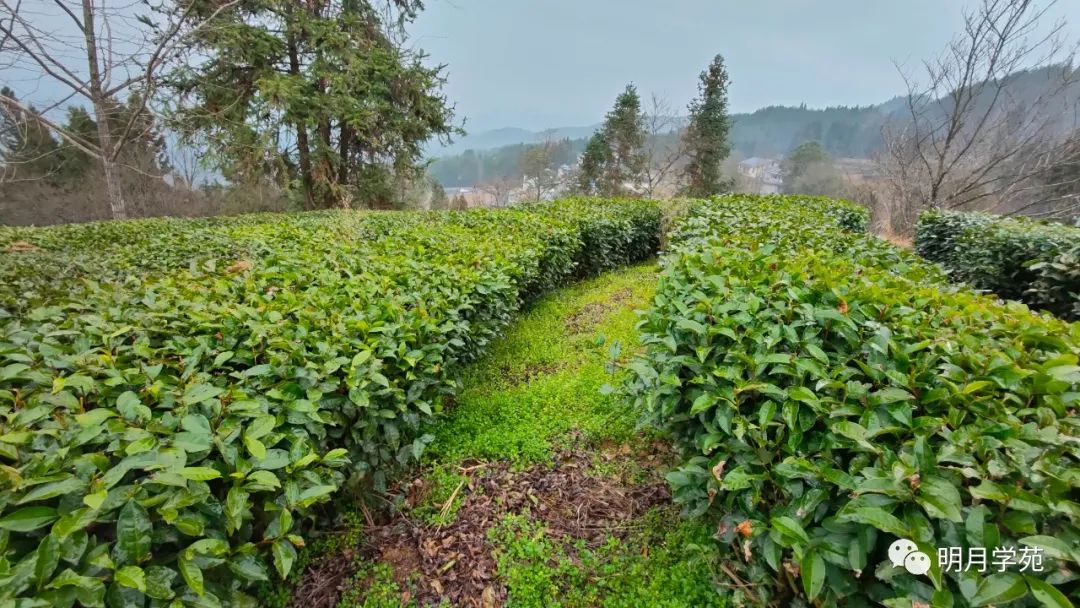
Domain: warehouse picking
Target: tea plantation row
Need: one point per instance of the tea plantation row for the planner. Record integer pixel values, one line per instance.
(833, 393)
(177, 397)
(1016, 258)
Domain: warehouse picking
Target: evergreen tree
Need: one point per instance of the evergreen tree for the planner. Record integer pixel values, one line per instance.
(806, 158)
(27, 147)
(592, 165)
(706, 135)
(316, 94)
(73, 165)
(624, 134)
(439, 201)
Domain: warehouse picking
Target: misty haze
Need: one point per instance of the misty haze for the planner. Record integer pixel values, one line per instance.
(539, 303)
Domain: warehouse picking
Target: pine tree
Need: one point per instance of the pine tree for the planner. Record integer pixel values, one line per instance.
(439, 201)
(624, 134)
(27, 147)
(317, 94)
(706, 135)
(592, 165)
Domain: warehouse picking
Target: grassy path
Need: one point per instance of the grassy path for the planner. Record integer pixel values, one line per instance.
(538, 490)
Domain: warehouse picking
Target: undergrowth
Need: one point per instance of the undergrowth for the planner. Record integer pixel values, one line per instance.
(543, 378)
(659, 565)
(537, 390)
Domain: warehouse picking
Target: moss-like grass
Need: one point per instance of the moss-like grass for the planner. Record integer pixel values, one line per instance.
(665, 564)
(535, 391)
(543, 378)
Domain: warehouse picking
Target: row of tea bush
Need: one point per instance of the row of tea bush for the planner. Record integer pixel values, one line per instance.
(832, 394)
(1016, 258)
(179, 402)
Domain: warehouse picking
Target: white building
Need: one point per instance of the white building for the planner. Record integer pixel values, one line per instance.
(762, 173)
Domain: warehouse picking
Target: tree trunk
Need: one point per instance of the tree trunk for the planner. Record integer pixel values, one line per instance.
(101, 113)
(344, 144)
(303, 146)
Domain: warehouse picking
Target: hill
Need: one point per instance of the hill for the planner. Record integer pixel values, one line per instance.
(771, 131)
(768, 132)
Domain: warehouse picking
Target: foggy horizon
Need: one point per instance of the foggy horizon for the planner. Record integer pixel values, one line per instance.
(560, 63)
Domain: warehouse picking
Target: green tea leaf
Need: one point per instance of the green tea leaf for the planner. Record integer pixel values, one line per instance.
(132, 576)
(133, 535)
(28, 519)
(812, 573)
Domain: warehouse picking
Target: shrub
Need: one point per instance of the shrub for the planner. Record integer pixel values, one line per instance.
(832, 394)
(936, 233)
(1003, 256)
(1057, 283)
(170, 423)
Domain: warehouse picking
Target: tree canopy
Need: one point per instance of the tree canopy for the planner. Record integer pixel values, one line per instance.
(318, 94)
(706, 135)
(624, 134)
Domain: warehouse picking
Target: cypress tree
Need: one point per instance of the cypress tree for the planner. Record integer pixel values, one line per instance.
(624, 133)
(706, 135)
(592, 164)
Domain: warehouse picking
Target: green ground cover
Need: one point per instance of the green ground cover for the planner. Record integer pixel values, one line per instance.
(535, 394)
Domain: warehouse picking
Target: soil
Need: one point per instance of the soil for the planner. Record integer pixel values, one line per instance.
(591, 314)
(568, 497)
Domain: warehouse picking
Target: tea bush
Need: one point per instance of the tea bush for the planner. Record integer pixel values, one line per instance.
(937, 231)
(172, 416)
(833, 393)
(1058, 283)
(1015, 258)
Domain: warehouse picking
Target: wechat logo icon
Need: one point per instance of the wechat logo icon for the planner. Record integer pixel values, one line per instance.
(904, 554)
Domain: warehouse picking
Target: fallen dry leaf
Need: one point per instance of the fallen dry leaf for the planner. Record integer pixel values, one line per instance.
(21, 246)
(718, 470)
(744, 528)
(239, 266)
(487, 600)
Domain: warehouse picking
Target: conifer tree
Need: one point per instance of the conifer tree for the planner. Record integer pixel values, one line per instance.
(317, 94)
(624, 134)
(706, 135)
(27, 148)
(592, 165)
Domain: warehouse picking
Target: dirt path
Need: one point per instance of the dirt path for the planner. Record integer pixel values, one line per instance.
(537, 490)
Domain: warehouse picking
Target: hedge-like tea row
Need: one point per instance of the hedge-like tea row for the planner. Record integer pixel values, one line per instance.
(168, 424)
(833, 393)
(1015, 258)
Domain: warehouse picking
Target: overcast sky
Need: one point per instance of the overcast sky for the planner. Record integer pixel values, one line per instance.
(546, 63)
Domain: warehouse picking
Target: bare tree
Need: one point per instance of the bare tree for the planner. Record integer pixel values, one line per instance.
(123, 55)
(976, 133)
(188, 160)
(540, 178)
(499, 189)
(664, 148)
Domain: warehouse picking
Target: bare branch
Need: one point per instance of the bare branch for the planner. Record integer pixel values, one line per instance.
(979, 132)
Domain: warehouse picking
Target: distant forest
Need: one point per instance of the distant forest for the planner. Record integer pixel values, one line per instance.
(475, 167)
(770, 132)
(774, 131)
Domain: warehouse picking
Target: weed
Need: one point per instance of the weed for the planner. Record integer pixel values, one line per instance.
(657, 565)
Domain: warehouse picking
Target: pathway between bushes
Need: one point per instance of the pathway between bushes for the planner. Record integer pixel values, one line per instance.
(538, 490)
